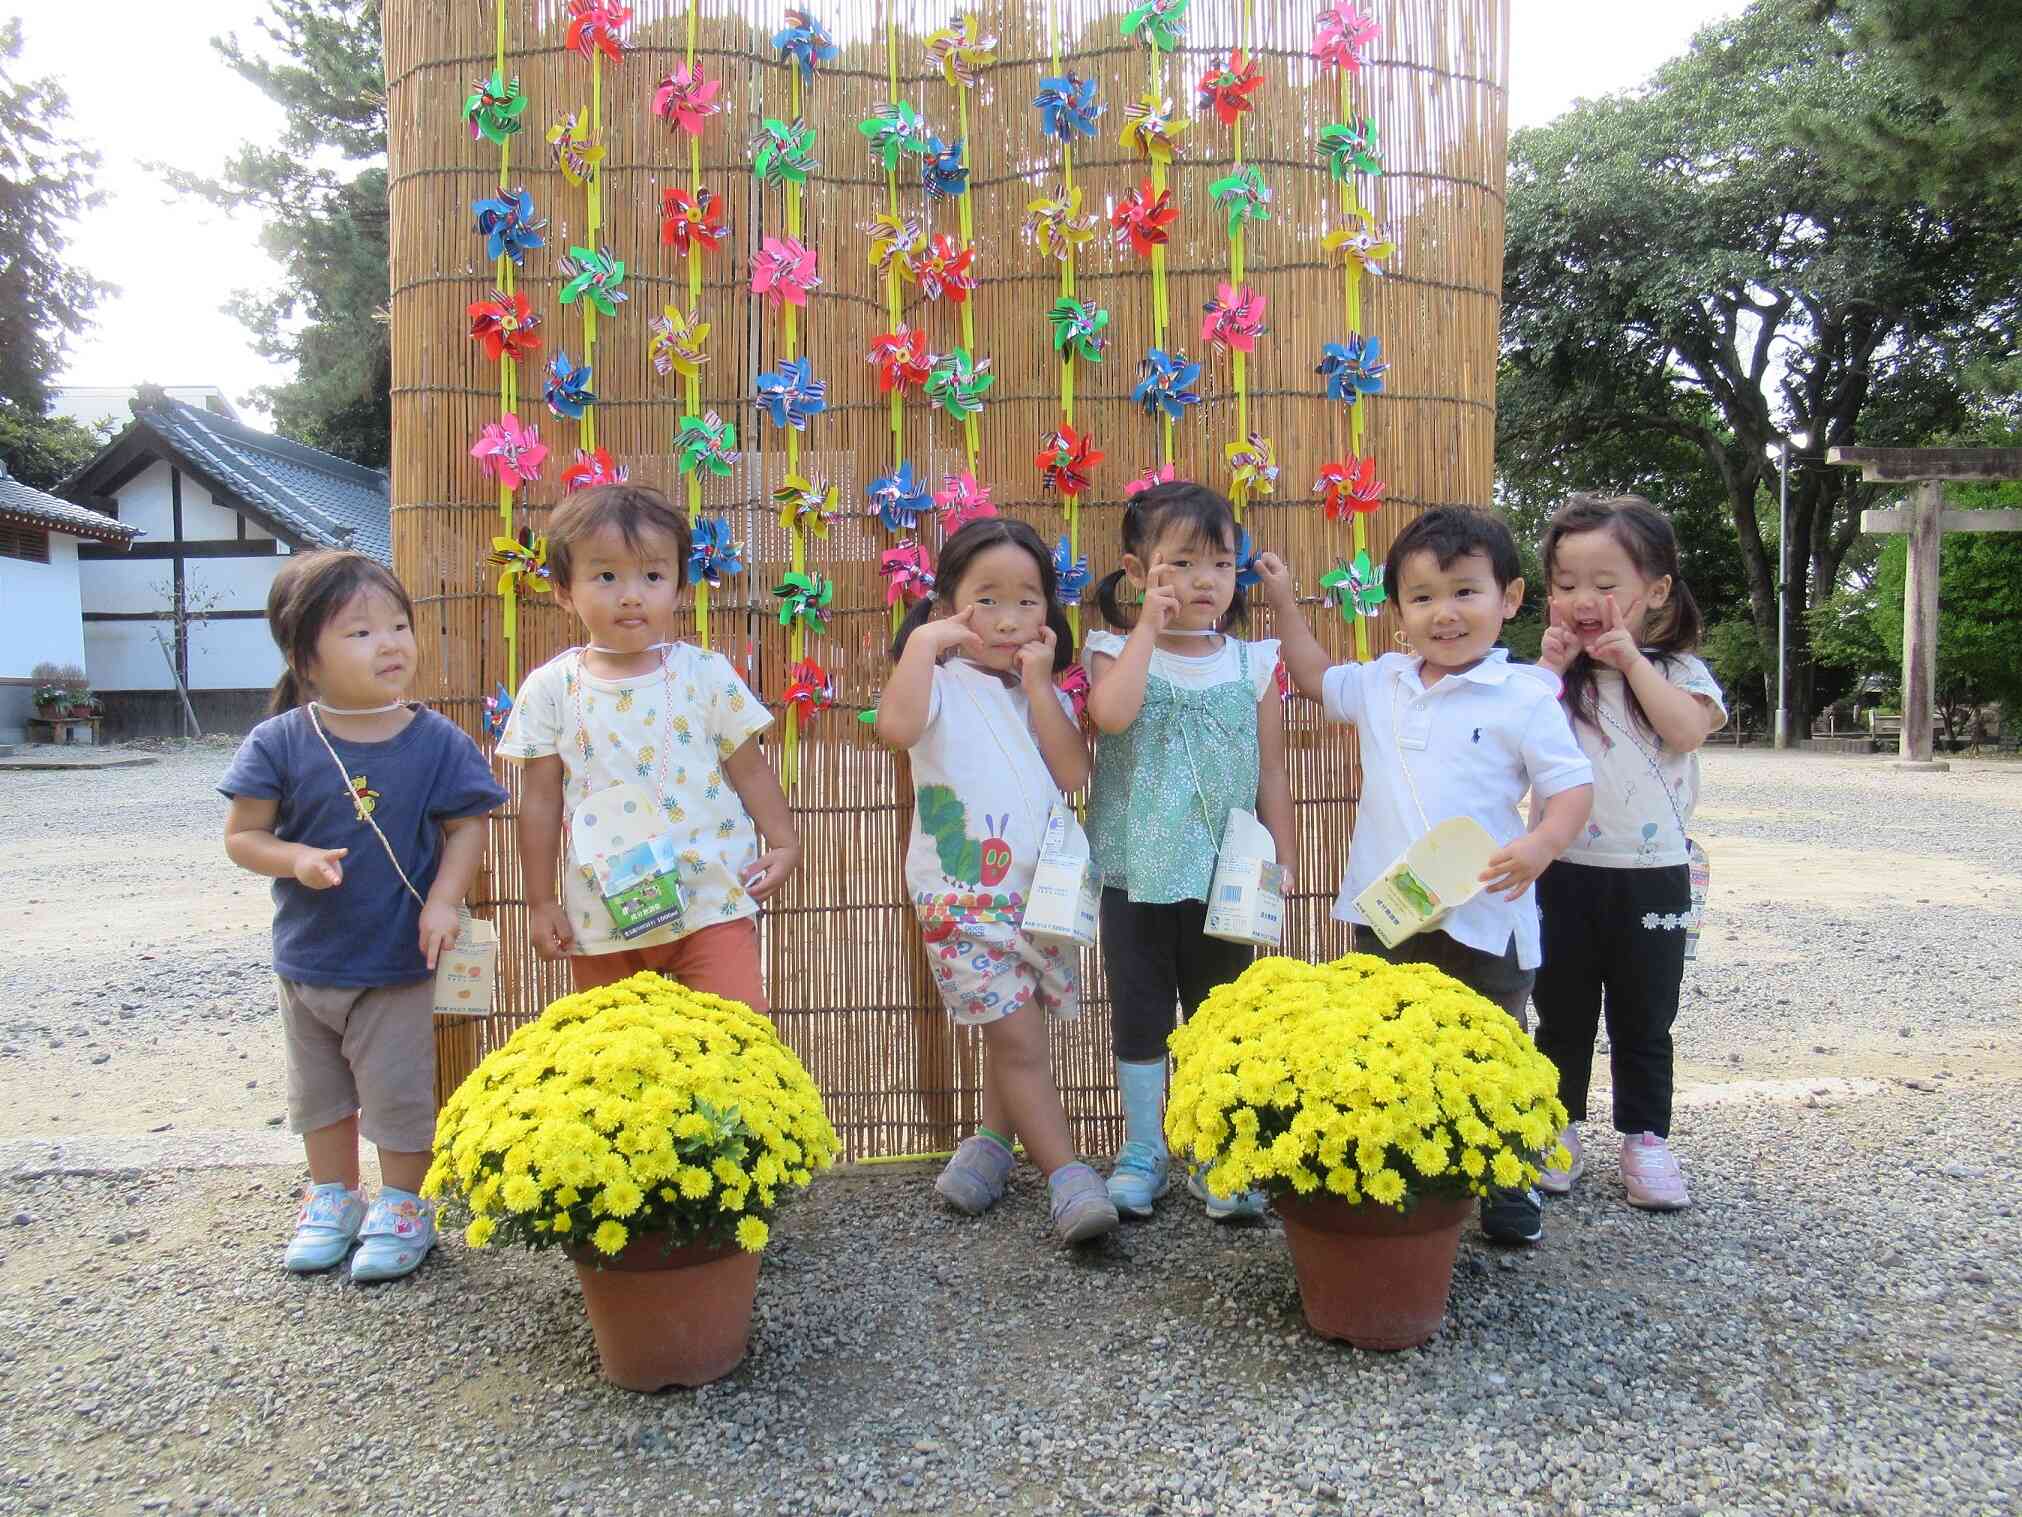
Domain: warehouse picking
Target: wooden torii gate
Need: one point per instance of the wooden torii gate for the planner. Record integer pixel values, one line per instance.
(1926, 521)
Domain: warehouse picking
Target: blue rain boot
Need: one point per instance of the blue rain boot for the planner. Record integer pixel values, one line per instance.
(1142, 1172)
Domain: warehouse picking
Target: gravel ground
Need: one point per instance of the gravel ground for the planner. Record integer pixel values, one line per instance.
(1832, 1328)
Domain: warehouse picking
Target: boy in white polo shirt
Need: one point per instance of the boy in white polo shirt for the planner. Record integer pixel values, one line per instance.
(1452, 728)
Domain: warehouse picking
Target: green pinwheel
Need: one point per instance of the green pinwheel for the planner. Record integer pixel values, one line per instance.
(594, 275)
(805, 597)
(1157, 23)
(1243, 196)
(706, 442)
(783, 152)
(1077, 329)
(493, 108)
(1357, 588)
(893, 131)
(1350, 148)
(956, 383)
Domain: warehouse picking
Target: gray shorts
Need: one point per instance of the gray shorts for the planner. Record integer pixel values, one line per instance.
(366, 1049)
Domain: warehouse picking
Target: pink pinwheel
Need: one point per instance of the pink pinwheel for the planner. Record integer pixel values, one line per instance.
(1349, 487)
(908, 572)
(507, 451)
(593, 28)
(1073, 680)
(687, 98)
(962, 500)
(1234, 319)
(784, 272)
(1342, 35)
(942, 268)
(1158, 474)
(902, 360)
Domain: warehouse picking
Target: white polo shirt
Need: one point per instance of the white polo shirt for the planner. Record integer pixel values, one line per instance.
(1475, 743)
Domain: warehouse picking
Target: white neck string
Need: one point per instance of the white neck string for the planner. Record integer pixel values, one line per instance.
(329, 710)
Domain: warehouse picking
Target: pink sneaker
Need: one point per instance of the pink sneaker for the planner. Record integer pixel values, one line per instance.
(1554, 1181)
(1651, 1175)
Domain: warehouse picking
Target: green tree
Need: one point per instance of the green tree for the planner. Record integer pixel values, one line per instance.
(1683, 264)
(325, 225)
(45, 184)
(43, 450)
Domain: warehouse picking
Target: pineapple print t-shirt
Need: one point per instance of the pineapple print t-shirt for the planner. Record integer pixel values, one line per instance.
(668, 731)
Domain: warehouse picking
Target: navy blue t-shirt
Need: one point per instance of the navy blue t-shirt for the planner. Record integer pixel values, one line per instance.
(366, 931)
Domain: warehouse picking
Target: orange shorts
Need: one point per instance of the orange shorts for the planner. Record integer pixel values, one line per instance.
(721, 959)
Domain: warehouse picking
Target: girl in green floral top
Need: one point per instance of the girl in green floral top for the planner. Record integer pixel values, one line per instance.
(1191, 727)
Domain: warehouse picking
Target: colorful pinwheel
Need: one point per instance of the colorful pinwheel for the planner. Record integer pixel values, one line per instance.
(576, 153)
(894, 236)
(1253, 465)
(1353, 369)
(522, 562)
(1247, 577)
(1070, 574)
(1341, 36)
(676, 344)
(1357, 588)
(784, 272)
(1362, 242)
(691, 219)
(504, 326)
(494, 107)
(944, 173)
(593, 28)
(810, 691)
(1066, 460)
(1057, 226)
(804, 506)
(944, 267)
(497, 707)
(1143, 218)
(1067, 107)
(791, 394)
(1073, 682)
(1167, 384)
(898, 501)
(592, 468)
(509, 452)
(901, 359)
(1226, 89)
(594, 276)
(707, 442)
(1157, 23)
(961, 500)
(908, 572)
(958, 381)
(1350, 148)
(806, 41)
(1234, 319)
(1151, 128)
(507, 223)
(805, 598)
(783, 151)
(712, 556)
(688, 98)
(1243, 196)
(962, 51)
(1157, 474)
(1078, 328)
(567, 388)
(894, 130)
(1349, 488)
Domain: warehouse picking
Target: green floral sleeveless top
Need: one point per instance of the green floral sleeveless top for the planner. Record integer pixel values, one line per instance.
(1191, 755)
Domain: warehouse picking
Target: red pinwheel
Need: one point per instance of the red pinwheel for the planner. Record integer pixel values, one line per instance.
(691, 220)
(1349, 487)
(593, 28)
(1227, 89)
(1143, 218)
(902, 360)
(1066, 459)
(942, 267)
(810, 691)
(504, 324)
(592, 468)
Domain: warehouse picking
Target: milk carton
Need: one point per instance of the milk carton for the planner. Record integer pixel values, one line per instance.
(466, 973)
(1434, 875)
(1065, 896)
(1246, 903)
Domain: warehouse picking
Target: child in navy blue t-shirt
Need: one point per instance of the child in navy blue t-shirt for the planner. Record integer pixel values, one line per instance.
(366, 811)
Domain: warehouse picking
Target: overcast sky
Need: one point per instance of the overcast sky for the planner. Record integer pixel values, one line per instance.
(144, 85)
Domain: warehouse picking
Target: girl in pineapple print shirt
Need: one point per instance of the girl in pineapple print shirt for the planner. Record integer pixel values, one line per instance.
(637, 708)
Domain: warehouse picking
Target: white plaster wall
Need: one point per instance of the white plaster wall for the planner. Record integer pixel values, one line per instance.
(236, 655)
(203, 519)
(123, 656)
(40, 615)
(127, 584)
(144, 502)
(239, 583)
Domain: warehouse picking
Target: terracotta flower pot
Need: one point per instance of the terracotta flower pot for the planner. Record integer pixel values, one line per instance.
(1373, 1276)
(679, 1316)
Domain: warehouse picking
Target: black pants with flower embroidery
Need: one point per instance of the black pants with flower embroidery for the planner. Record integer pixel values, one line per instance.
(1158, 960)
(1614, 945)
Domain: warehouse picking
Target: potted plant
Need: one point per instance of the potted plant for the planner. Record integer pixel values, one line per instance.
(52, 693)
(1373, 1102)
(649, 1132)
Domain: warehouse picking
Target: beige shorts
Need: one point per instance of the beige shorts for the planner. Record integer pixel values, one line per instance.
(988, 970)
(366, 1049)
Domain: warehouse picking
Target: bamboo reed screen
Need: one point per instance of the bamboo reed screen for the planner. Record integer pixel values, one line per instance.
(848, 981)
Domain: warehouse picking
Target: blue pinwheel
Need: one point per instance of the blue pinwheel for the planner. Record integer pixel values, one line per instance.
(1070, 572)
(898, 500)
(1247, 577)
(712, 556)
(791, 394)
(943, 171)
(1354, 368)
(1167, 386)
(508, 225)
(1067, 107)
(568, 388)
(806, 41)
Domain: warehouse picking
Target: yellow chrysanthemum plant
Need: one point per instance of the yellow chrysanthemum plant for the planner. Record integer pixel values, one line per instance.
(1361, 1079)
(635, 1109)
